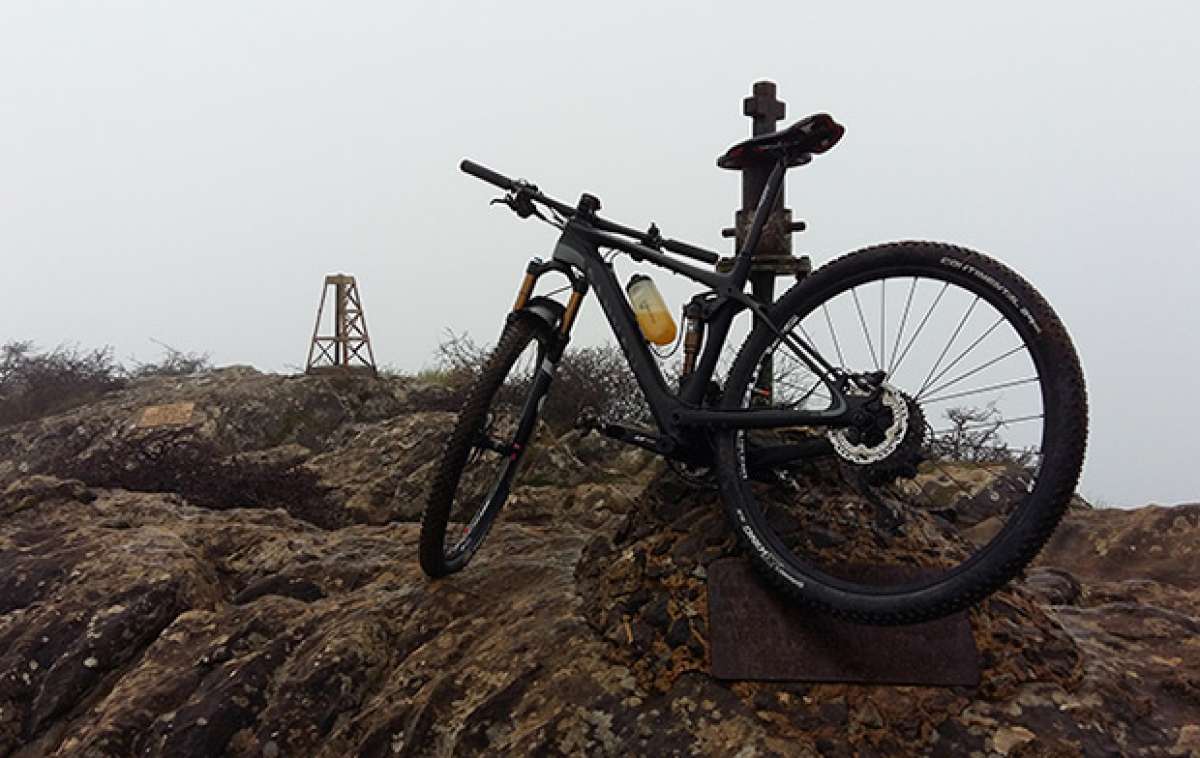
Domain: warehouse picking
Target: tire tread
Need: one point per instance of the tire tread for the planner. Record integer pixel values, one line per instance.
(518, 333)
(1040, 518)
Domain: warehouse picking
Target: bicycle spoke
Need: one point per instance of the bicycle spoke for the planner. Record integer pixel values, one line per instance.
(806, 392)
(882, 318)
(990, 424)
(812, 343)
(961, 323)
(810, 392)
(989, 388)
(976, 370)
(833, 334)
(921, 326)
(903, 320)
(784, 376)
(934, 461)
(808, 338)
(863, 321)
(964, 353)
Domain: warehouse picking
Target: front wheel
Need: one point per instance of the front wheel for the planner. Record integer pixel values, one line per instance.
(482, 457)
(960, 466)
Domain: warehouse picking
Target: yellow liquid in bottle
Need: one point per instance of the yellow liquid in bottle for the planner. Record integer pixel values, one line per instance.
(652, 315)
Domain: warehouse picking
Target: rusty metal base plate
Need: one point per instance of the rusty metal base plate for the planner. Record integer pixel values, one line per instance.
(756, 633)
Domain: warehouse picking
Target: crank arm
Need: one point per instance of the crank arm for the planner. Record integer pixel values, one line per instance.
(643, 438)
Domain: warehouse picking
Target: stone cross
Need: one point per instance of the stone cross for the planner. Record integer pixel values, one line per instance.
(764, 107)
(774, 254)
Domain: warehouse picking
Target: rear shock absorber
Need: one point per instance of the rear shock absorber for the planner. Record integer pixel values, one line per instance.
(693, 336)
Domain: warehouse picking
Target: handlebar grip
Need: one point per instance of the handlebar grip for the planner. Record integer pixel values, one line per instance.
(486, 174)
(696, 253)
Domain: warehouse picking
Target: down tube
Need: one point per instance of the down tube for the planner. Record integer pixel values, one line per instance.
(629, 335)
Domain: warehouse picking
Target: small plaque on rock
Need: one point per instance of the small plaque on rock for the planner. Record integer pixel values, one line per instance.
(756, 633)
(171, 414)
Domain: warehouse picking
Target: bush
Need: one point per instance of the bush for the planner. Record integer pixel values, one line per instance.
(173, 363)
(594, 380)
(974, 436)
(38, 384)
(34, 384)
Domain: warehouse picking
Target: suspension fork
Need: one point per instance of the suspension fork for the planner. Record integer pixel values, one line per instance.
(534, 271)
(561, 324)
(579, 288)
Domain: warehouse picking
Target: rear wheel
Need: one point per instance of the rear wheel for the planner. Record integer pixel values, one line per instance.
(482, 458)
(958, 470)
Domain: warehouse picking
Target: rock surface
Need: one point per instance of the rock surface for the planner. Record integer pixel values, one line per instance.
(244, 582)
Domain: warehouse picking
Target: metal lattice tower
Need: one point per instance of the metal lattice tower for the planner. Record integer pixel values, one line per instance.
(348, 348)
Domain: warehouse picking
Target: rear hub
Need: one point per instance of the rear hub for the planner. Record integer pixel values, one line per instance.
(885, 435)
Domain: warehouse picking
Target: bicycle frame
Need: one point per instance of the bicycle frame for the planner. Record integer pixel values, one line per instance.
(578, 250)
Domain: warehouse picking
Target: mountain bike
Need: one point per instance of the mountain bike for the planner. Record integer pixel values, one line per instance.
(897, 437)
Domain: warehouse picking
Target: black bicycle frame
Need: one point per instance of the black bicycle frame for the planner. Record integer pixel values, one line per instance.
(579, 249)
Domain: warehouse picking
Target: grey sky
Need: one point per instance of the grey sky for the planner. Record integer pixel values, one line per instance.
(188, 172)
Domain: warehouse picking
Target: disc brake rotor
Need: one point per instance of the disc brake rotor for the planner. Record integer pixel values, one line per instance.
(865, 446)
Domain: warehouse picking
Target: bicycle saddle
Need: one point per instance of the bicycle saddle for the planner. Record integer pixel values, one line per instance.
(814, 134)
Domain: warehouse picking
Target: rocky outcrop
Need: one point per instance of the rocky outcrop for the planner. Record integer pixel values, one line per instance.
(1112, 545)
(329, 450)
(1061, 674)
(237, 583)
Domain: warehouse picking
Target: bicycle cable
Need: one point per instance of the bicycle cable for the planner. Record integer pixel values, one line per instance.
(559, 221)
(678, 340)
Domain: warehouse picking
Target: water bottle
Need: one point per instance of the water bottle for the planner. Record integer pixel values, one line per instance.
(651, 310)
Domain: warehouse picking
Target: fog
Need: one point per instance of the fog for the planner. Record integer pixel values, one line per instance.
(189, 173)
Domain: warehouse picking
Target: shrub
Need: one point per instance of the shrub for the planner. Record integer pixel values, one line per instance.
(173, 363)
(594, 380)
(34, 384)
(37, 384)
(974, 435)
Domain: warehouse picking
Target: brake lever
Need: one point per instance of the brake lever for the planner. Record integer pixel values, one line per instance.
(520, 201)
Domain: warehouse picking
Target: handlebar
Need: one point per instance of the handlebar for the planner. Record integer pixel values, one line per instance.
(512, 185)
(509, 185)
(486, 174)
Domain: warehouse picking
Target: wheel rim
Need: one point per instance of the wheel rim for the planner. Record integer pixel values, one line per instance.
(493, 462)
(959, 355)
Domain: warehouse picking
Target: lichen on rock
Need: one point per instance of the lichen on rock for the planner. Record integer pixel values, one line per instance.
(245, 582)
